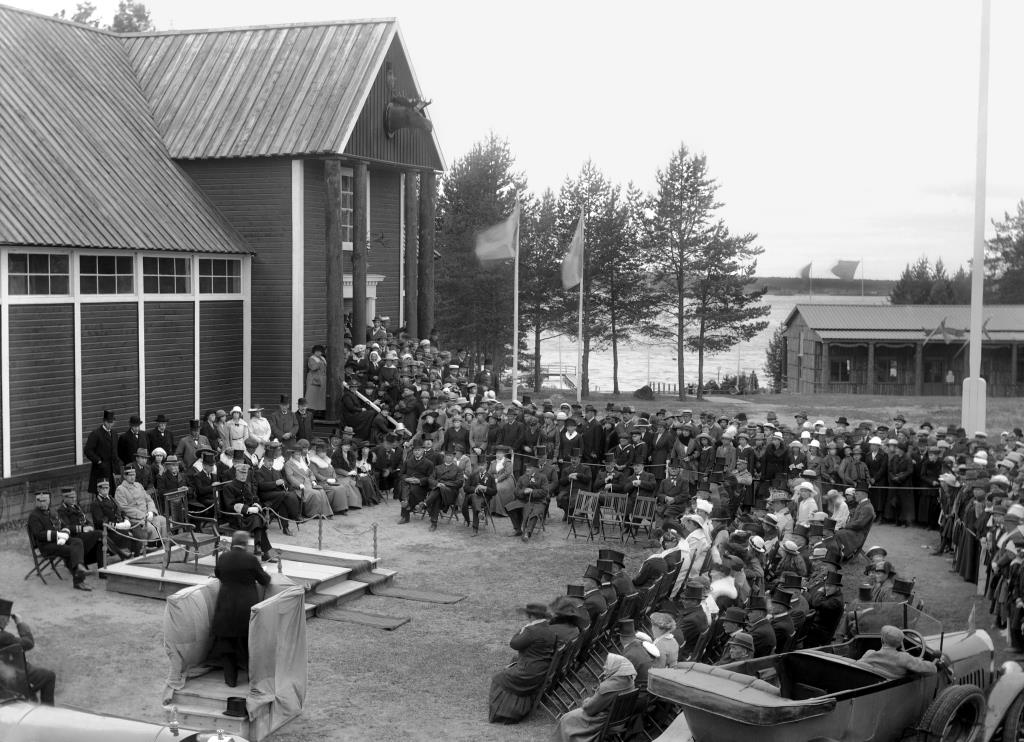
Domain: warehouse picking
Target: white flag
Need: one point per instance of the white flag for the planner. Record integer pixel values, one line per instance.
(572, 263)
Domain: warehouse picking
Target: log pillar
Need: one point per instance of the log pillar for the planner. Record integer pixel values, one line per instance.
(1014, 377)
(360, 185)
(428, 207)
(412, 283)
(919, 368)
(826, 371)
(869, 387)
(335, 289)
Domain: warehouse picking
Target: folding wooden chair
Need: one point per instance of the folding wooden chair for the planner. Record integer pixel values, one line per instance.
(562, 694)
(619, 722)
(612, 514)
(556, 663)
(182, 526)
(642, 517)
(41, 561)
(583, 510)
(702, 642)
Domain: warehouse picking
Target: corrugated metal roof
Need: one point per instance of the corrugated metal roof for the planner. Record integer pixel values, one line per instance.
(914, 335)
(82, 162)
(878, 318)
(258, 92)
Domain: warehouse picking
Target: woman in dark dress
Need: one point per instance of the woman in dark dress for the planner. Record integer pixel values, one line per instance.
(512, 688)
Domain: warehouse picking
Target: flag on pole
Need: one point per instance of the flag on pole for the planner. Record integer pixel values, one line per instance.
(845, 269)
(501, 241)
(805, 272)
(572, 263)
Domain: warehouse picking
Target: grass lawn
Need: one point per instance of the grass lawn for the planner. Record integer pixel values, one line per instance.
(429, 679)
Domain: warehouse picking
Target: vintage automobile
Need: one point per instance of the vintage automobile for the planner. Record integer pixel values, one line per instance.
(24, 720)
(824, 694)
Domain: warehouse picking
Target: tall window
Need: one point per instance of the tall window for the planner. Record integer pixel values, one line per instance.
(840, 369)
(106, 274)
(167, 275)
(38, 274)
(220, 276)
(346, 207)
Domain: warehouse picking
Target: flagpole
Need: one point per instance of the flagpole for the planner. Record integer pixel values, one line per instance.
(515, 311)
(579, 328)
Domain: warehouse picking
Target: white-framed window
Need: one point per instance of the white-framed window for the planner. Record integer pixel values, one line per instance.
(220, 276)
(167, 275)
(347, 188)
(38, 274)
(106, 274)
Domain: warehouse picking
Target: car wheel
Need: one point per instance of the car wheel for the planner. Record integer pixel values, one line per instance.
(1013, 722)
(956, 715)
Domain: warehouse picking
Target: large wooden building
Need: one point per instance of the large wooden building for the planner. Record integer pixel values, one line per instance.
(164, 235)
(900, 349)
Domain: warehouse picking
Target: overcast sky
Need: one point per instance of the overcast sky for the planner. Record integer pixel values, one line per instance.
(836, 130)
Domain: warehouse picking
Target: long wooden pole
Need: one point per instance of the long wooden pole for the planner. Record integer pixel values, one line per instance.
(360, 199)
(425, 298)
(579, 329)
(335, 288)
(515, 311)
(411, 252)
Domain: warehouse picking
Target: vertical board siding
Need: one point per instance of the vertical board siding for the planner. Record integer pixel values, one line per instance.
(255, 197)
(110, 363)
(170, 367)
(386, 221)
(220, 355)
(413, 147)
(315, 326)
(42, 367)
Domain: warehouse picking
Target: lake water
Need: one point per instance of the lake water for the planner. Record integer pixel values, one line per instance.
(655, 361)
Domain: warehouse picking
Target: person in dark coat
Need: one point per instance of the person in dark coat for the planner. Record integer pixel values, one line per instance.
(782, 621)
(101, 452)
(878, 473)
(238, 572)
(131, 440)
(242, 509)
(759, 626)
(273, 493)
(827, 603)
(512, 688)
(74, 521)
(858, 526)
(106, 511)
(159, 436)
(416, 476)
(53, 539)
(691, 621)
(40, 680)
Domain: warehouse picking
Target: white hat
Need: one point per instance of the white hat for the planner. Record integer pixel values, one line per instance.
(892, 442)
(561, 416)
(980, 434)
(704, 506)
(1016, 511)
(235, 409)
(996, 479)
(805, 435)
(850, 491)
(814, 444)
(777, 434)
(805, 486)
(875, 441)
(819, 423)
(948, 479)
(757, 544)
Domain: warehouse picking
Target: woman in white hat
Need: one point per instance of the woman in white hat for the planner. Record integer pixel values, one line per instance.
(237, 431)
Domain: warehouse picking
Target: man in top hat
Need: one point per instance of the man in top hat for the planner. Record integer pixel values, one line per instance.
(826, 601)
(478, 490)
(878, 472)
(593, 435)
(691, 620)
(730, 622)
(189, 445)
(576, 593)
(653, 567)
(593, 599)
(782, 621)
(852, 537)
(40, 680)
(238, 571)
(131, 440)
(638, 649)
(903, 592)
(575, 477)
(614, 563)
(159, 436)
(759, 626)
(101, 451)
(892, 661)
(899, 506)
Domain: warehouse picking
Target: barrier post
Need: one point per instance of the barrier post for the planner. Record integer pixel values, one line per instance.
(320, 533)
(375, 541)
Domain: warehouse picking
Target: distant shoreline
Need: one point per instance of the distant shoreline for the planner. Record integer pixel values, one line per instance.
(790, 285)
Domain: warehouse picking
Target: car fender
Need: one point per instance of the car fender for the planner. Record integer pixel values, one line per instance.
(1003, 694)
(677, 731)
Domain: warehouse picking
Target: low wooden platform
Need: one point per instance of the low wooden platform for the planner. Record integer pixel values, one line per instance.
(330, 578)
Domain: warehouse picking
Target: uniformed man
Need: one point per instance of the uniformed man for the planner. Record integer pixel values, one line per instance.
(447, 481)
(416, 474)
(272, 491)
(614, 563)
(53, 539)
(75, 522)
(478, 491)
(827, 603)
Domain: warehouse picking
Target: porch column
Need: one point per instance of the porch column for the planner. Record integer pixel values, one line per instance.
(870, 381)
(360, 185)
(335, 289)
(411, 240)
(425, 300)
(1013, 368)
(826, 369)
(919, 368)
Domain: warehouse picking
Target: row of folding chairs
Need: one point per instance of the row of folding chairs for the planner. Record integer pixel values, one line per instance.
(609, 515)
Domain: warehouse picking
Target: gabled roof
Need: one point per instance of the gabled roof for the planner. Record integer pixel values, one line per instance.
(81, 162)
(260, 91)
(907, 321)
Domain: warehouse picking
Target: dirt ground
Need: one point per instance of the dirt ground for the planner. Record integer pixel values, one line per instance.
(429, 679)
